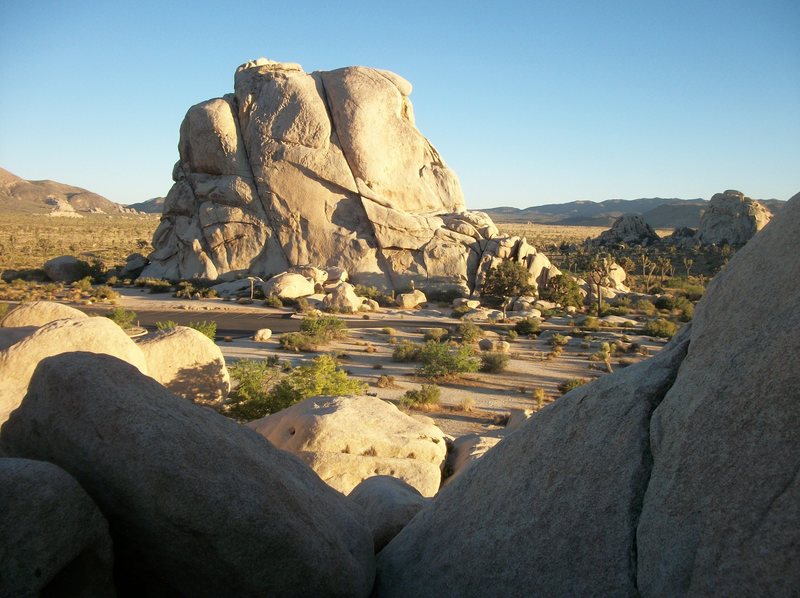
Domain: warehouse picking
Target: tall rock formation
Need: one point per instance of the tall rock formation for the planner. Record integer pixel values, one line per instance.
(630, 229)
(327, 169)
(732, 218)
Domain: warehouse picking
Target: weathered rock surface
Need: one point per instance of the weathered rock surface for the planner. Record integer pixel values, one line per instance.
(197, 504)
(93, 335)
(65, 268)
(292, 169)
(628, 229)
(262, 335)
(343, 298)
(551, 509)
(348, 439)
(134, 264)
(242, 287)
(732, 218)
(288, 285)
(188, 363)
(411, 300)
(722, 510)
(466, 450)
(39, 313)
(493, 344)
(389, 504)
(53, 539)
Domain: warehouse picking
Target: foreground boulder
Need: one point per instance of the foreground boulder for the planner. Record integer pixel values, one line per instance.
(65, 268)
(39, 313)
(722, 510)
(53, 539)
(188, 363)
(389, 504)
(732, 218)
(343, 298)
(292, 169)
(197, 504)
(349, 439)
(288, 285)
(94, 335)
(549, 511)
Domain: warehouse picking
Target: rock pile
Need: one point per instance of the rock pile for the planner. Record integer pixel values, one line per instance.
(291, 169)
(628, 229)
(732, 218)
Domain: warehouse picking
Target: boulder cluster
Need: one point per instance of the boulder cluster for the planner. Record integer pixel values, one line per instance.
(674, 476)
(292, 169)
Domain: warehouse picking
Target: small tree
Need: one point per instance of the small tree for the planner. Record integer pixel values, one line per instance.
(564, 290)
(509, 279)
(599, 270)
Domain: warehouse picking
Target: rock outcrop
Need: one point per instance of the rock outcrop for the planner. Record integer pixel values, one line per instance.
(197, 504)
(39, 313)
(389, 504)
(95, 335)
(53, 539)
(628, 229)
(732, 218)
(722, 509)
(676, 476)
(292, 169)
(349, 439)
(188, 363)
(65, 268)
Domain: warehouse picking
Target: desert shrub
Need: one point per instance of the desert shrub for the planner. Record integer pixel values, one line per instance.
(436, 334)
(439, 360)
(104, 292)
(602, 354)
(646, 307)
(660, 327)
(4, 309)
(538, 396)
(466, 404)
(508, 279)
(155, 285)
(298, 342)
(84, 284)
(428, 394)
(252, 381)
(112, 281)
(556, 351)
(124, 318)
(693, 292)
(385, 382)
(320, 377)
(375, 294)
(493, 362)
(469, 332)
(388, 331)
(166, 325)
(564, 290)
(406, 351)
(446, 296)
(323, 328)
(207, 327)
(273, 301)
(302, 305)
(558, 340)
(512, 335)
(460, 311)
(572, 383)
(591, 323)
(527, 326)
(616, 310)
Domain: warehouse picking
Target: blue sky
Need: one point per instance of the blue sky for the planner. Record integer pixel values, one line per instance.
(529, 102)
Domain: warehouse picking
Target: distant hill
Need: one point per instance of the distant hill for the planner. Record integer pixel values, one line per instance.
(658, 212)
(151, 206)
(20, 195)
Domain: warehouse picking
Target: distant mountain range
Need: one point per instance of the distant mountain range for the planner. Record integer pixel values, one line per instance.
(658, 212)
(151, 206)
(20, 195)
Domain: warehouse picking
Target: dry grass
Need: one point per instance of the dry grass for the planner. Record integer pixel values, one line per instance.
(29, 240)
(542, 235)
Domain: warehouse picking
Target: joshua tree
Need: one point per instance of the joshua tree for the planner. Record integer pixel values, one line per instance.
(599, 269)
(664, 264)
(688, 263)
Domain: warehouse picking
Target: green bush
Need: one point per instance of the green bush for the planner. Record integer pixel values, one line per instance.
(104, 292)
(253, 380)
(166, 325)
(298, 342)
(320, 377)
(323, 328)
(527, 326)
(660, 327)
(646, 307)
(209, 328)
(571, 384)
(155, 285)
(444, 296)
(122, 317)
(273, 301)
(84, 284)
(564, 290)
(4, 309)
(459, 312)
(429, 394)
(591, 323)
(436, 334)
(508, 279)
(375, 294)
(440, 360)
(388, 331)
(406, 351)
(558, 340)
(494, 362)
(512, 335)
(469, 332)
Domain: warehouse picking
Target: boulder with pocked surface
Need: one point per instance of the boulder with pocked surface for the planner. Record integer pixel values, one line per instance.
(39, 313)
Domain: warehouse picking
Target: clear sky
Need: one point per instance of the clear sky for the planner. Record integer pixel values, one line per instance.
(529, 102)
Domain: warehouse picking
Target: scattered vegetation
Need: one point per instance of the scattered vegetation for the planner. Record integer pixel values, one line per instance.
(406, 351)
(436, 334)
(571, 384)
(439, 360)
(427, 395)
(661, 328)
(469, 332)
(122, 317)
(494, 362)
(508, 279)
(527, 326)
(375, 294)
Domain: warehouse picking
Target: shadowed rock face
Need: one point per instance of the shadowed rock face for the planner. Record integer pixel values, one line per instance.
(328, 169)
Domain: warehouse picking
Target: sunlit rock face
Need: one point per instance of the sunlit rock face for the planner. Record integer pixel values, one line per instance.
(732, 218)
(324, 168)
